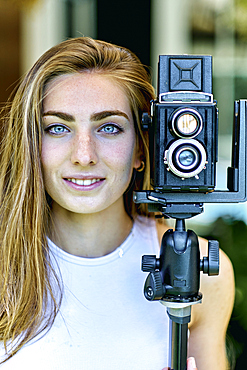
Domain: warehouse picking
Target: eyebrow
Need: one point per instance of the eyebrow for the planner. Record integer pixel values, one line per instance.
(101, 115)
(94, 117)
(61, 115)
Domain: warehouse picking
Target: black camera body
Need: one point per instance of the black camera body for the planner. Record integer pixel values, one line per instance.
(183, 137)
(184, 126)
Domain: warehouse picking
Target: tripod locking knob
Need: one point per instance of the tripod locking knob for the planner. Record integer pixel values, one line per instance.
(210, 264)
(150, 263)
(153, 289)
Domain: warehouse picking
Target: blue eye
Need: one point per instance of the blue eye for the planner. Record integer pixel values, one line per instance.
(111, 129)
(56, 129)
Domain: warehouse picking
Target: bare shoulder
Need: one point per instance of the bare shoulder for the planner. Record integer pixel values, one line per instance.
(210, 318)
(218, 291)
(225, 279)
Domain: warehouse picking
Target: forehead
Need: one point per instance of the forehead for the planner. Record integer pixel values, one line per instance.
(85, 89)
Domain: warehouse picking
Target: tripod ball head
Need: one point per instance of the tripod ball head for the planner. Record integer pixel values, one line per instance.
(175, 276)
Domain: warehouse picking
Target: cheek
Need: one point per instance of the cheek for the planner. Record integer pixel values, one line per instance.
(51, 152)
(50, 158)
(122, 157)
(44, 158)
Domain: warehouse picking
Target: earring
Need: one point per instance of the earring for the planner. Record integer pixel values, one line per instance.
(141, 168)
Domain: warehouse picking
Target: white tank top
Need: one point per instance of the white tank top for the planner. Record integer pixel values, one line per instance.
(104, 323)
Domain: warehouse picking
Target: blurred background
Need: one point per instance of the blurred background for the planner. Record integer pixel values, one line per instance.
(149, 28)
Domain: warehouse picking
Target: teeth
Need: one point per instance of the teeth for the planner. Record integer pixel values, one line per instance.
(84, 182)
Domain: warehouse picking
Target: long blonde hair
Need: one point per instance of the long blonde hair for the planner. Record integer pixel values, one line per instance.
(30, 289)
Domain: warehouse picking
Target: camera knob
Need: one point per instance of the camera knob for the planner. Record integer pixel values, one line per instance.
(149, 263)
(210, 265)
(153, 289)
(146, 121)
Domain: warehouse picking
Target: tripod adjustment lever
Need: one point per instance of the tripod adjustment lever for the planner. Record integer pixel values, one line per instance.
(153, 289)
(150, 263)
(210, 264)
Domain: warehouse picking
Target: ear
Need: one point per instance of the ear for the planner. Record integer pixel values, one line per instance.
(138, 160)
(137, 163)
(139, 154)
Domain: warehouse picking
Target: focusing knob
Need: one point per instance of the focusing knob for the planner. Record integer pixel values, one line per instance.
(149, 263)
(146, 121)
(153, 289)
(210, 265)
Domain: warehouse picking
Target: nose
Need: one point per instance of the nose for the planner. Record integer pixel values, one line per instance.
(84, 150)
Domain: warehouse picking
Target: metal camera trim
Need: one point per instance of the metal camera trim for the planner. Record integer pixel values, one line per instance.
(168, 157)
(186, 97)
(191, 111)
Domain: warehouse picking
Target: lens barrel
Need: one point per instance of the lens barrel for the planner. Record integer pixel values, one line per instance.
(185, 158)
(186, 123)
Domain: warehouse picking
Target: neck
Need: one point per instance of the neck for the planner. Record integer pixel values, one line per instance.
(89, 235)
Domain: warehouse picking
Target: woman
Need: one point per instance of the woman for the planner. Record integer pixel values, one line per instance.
(71, 237)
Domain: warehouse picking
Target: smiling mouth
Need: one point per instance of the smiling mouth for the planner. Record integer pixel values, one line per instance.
(86, 182)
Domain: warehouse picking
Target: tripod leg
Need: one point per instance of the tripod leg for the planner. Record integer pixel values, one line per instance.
(178, 346)
(179, 319)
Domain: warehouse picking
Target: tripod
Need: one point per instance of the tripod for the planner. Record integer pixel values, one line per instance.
(174, 280)
(174, 277)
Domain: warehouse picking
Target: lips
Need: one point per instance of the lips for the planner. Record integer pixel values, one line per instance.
(84, 182)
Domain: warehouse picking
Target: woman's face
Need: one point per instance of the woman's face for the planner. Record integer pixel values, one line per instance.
(89, 143)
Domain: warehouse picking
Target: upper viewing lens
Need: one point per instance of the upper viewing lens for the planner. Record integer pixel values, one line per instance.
(187, 124)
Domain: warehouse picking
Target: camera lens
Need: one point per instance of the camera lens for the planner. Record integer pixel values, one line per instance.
(185, 158)
(186, 122)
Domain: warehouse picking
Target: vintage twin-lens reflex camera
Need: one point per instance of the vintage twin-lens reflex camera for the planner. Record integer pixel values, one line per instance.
(183, 135)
